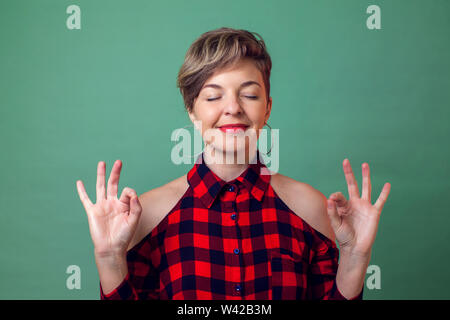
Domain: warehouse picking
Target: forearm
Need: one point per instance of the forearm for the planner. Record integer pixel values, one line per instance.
(112, 270)
(351, 273)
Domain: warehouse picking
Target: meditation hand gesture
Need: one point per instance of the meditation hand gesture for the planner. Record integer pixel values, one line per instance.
(112, 221)
(355, 221)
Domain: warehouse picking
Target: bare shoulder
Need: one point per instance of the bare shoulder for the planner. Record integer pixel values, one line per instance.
(156, 204)
(307, 202)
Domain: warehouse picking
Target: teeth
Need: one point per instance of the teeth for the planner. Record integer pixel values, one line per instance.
(234, 129)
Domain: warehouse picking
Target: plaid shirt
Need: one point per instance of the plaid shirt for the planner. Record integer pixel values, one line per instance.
(231, 240)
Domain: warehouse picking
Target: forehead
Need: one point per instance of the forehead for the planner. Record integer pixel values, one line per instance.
(242, 71)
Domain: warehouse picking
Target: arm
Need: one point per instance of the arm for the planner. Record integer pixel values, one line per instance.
(112, 224)
(355, 223)
(131, 278)
(114, 278)
(351, 274)
(325, 274)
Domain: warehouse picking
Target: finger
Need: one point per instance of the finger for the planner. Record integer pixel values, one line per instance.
(83, 196)
(127, 194)
(383, 197)
(335, 219)
(113, 181)
(350, 178)
(339, 198)
(135, 211)
(101, 167)
(135, 208)
(367, 186)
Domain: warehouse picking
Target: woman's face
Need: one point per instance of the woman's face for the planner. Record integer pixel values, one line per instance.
(235, 95)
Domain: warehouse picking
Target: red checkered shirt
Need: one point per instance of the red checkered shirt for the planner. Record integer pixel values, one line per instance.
(231, 240)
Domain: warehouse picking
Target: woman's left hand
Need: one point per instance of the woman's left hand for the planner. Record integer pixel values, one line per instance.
(355, 221)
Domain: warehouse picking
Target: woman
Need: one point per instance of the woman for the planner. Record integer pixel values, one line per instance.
(229, 230)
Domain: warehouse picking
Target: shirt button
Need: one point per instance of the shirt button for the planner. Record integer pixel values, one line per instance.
(237, 288)
(231, 188)
(236, 251)
(233, 216)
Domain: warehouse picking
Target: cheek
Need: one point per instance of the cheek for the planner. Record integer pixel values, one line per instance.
(257, 117)
(208, 116)
(207, 119)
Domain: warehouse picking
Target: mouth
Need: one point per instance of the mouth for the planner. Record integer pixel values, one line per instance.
(233, 128)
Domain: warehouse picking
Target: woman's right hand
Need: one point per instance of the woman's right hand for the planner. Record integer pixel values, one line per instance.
(112, 221)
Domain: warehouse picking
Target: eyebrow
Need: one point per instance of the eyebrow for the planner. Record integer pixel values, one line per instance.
(243, 85)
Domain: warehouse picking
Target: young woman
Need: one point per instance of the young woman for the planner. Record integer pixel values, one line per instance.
(229, 230)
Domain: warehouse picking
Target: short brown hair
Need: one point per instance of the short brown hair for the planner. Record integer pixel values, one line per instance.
(217, 49)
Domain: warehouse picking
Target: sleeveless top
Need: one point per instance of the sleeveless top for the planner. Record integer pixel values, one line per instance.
(231, 240)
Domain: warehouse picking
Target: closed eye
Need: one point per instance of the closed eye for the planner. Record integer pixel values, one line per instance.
(250, 97)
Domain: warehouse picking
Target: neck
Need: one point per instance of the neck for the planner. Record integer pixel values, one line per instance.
(227, 169)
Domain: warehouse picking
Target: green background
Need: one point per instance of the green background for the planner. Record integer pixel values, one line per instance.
(71, 98)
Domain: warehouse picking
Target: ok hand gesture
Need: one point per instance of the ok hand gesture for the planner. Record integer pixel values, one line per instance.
(112, 221)
(355, 221)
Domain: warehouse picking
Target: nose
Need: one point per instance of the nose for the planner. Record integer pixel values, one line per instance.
(233, 105)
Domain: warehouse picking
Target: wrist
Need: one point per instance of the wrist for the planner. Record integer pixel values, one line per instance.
(112, 265)
(351, 252)
(110, 258)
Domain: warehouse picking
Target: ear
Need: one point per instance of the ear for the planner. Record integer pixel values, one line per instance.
(268, 110)
(192, 116)
(191, 113)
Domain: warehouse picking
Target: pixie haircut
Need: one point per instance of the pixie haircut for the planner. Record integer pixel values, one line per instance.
(218, 49)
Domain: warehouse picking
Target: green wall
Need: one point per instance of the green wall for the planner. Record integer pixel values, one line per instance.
(70, 98)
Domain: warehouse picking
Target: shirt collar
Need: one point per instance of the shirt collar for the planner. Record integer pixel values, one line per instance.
(207, 185)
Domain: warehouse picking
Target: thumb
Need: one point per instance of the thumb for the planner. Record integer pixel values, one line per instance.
(135, 208)
(335, 219)
(339, 198)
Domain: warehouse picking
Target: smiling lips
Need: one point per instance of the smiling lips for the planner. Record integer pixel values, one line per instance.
(231, 128)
